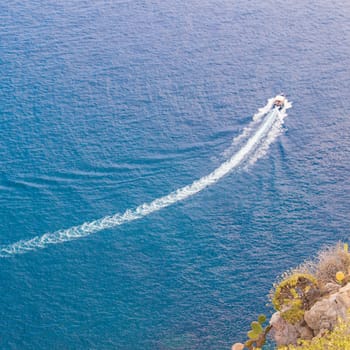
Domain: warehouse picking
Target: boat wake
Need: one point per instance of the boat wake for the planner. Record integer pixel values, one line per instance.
(253, 144)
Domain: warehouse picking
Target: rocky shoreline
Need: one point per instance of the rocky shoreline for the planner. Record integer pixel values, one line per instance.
(310, 301)
(321, 318)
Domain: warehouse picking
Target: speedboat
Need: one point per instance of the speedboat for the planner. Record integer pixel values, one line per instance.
(279, 101)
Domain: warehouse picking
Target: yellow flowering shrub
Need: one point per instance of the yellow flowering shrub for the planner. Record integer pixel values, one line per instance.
(291, 296)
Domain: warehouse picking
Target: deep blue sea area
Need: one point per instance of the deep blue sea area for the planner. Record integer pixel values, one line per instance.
(109, 104)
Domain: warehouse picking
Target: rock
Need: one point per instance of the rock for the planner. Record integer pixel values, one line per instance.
(324, 314)
(237, 346)
(331, 288)
(283, 332)
(305, 332)
(344, 295)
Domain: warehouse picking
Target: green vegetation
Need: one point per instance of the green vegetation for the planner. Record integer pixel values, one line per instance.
(257, 335)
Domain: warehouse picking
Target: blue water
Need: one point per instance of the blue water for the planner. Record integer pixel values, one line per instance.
(107, 105)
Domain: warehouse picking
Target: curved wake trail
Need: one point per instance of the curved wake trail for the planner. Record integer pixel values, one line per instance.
(258, 140)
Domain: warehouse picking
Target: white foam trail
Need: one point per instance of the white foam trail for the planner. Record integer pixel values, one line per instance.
(249, 129)
(275, 131)
(253, 149)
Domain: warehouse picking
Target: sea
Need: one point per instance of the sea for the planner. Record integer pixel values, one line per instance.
(150, 195)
